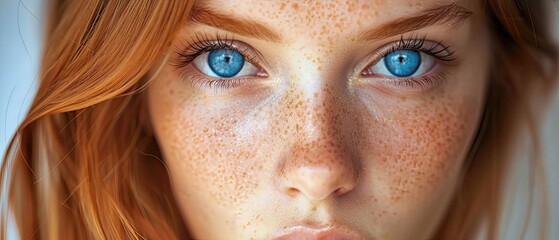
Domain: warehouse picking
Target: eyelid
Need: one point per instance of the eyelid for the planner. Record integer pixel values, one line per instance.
(188, 51)
(410, 85)
(198, 80)
(199, 44)
(432, 48)
(413, 84)
(441, 52)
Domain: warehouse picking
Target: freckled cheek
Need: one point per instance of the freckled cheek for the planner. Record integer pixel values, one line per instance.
(211, 154)
(424, 148)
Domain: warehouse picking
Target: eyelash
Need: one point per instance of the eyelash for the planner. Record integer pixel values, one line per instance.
(438, 50)
(417, 43)
(203, 43)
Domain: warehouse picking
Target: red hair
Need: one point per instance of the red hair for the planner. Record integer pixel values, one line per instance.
(83, 166)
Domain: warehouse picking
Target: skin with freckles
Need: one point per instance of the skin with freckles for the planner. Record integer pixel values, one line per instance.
(314, 142)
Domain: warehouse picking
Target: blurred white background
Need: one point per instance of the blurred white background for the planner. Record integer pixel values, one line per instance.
(20, 49)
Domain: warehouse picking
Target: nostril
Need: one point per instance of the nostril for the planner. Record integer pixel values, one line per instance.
(292, 191)
(317, 183)
(341, 191)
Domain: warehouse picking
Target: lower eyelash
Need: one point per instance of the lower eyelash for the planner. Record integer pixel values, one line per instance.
(216, 84)
(422, 83)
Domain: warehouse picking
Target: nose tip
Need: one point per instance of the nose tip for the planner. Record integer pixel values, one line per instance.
(320, 158)
(318, 183)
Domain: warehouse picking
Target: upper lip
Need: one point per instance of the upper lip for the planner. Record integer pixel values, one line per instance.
(308, 232)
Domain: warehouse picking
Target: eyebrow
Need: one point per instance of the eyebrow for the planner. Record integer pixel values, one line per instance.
(449, 14)
(202, 14)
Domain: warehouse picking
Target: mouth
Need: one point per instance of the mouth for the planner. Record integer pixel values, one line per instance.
(309, 233)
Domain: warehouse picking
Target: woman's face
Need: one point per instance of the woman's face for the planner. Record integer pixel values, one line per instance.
(315, 119)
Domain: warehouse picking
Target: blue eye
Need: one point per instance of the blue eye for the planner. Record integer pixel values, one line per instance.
(402, 64)
(224, 63)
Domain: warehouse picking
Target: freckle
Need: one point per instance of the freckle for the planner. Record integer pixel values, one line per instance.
(295, 6)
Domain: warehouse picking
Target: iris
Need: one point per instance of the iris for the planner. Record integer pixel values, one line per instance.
(402, 63)
(225, 62)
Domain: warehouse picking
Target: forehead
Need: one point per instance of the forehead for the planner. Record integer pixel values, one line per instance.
(301, 16)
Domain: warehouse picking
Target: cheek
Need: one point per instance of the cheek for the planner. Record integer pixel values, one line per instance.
(208, 147)
(415, 149)
(413, 153)
(427, 145)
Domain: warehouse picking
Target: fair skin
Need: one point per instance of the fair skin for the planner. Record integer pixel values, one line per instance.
(312, 138)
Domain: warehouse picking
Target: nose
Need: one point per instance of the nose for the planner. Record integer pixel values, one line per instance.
(319, 174)
(322, 161)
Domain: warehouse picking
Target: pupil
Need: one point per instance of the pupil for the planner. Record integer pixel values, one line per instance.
(402, 63)
(225, 62)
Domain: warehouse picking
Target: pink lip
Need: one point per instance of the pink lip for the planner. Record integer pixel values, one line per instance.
(307, 233)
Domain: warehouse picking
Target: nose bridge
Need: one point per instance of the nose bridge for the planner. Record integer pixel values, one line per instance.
(322, 101)
(321, 120)
(325, 120)
(320, 161)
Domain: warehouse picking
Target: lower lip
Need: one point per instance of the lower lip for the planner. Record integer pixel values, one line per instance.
(306, 233)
